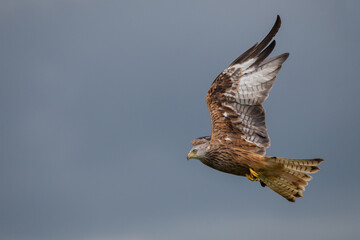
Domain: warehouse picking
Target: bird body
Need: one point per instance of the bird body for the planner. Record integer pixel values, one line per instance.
(232, 160)
(239, 137)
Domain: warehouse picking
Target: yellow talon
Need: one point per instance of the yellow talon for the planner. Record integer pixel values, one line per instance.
(249, 177)
(253, 176)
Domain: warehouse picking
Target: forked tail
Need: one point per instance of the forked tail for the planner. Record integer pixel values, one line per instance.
(288, 177)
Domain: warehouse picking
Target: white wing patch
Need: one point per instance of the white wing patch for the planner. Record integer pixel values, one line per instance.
(252, 84)
(247, 64)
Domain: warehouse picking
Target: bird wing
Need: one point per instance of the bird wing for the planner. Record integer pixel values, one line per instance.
(235, 97)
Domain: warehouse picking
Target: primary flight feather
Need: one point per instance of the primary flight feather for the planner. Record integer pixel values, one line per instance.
(239, 137)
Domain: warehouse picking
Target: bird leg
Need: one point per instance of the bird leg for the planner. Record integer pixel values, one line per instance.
(253, 176)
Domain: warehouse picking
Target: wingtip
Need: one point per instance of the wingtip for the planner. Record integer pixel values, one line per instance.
(278, 20)
(284, 56)
(258, 47)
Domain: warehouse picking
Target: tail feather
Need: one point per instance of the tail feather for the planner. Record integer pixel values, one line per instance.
(301, 175)
(287, 184)
(300, 165)
(282, 189)
(298, 162)
(305, 169)
(288, 177)
(296, 180)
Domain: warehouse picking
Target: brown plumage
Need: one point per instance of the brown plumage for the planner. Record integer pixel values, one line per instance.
(239, 137)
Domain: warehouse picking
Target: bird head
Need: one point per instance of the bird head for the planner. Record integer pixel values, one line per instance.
(198, 151)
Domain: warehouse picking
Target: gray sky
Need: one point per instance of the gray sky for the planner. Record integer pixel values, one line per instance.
(101, 99)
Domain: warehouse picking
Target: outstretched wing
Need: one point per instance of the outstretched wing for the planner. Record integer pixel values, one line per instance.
(235, 97)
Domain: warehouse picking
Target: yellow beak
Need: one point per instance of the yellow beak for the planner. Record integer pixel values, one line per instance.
(190, 155)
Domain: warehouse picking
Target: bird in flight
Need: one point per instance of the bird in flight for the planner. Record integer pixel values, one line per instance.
(239, 135)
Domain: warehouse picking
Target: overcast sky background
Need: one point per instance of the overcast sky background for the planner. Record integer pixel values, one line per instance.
(100, 101)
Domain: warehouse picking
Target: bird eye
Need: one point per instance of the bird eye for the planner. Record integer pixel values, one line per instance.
(194, 151)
